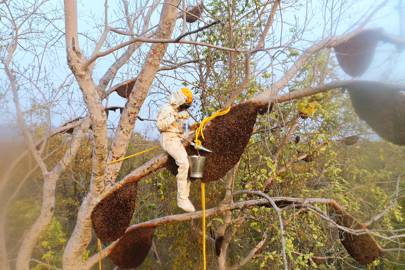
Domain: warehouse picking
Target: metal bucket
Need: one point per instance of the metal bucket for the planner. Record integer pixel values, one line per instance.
(197, 166)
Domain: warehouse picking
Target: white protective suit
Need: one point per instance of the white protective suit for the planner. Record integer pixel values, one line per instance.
(170, 123)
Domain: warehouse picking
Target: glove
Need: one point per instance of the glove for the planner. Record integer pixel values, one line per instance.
(183, 115)
(194, 126)
(184, 137)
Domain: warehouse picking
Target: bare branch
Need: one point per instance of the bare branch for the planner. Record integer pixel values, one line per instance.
(269, 23)
(251, 254)
(123, 59)
(280, 219)
(20, 117)
(261, 99)
(162, 41)
(269, 94)
(104, 34)
(391, 205)
(165, 68)
(195, 31)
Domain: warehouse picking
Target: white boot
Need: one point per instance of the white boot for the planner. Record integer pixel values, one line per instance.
(183, 192)
(185, 204)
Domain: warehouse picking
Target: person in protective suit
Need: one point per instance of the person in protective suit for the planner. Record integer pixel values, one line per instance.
(170, 124)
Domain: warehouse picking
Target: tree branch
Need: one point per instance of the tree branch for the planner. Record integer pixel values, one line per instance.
(280, 219)
(391, 205)
(301, 202)
(123, 59)
(20, 117)
(264, 102)
(177, 218)
(162, 41)
(159, 162)
(269, 23)
(251, 254)
(271, 93)
(82, 232)
(140, 89)
(195, 31)
(48, 200)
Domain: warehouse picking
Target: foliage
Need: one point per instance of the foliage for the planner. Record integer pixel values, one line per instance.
(51, 246)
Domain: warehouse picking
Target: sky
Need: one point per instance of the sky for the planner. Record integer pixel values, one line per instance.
(387, 64)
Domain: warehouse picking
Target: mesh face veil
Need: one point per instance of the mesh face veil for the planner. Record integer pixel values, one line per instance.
(180, 97)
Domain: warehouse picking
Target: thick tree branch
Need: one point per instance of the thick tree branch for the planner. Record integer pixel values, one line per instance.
(141, 88)
(178, 218)
(82, 232)
(264, 102)
(91, 97)
(72, 40)
(299, 202)
(271, 93)
(224, 230)
(123, 59)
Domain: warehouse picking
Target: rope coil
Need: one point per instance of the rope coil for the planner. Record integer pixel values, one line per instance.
(200, 130)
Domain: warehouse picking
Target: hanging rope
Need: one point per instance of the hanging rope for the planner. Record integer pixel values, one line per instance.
(100, 258)
(200, 132)
(134, 155)
(204, 248)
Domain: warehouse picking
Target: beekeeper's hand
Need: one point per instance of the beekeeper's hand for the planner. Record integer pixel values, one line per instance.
(183, 115)
(194, 126)
(184, 138)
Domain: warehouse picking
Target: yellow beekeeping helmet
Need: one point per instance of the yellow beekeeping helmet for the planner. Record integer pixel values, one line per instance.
(187, 93)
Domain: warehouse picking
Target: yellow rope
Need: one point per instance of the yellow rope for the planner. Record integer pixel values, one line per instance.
(99, 247)
(134, 155)
(200, 132)
(204, 249)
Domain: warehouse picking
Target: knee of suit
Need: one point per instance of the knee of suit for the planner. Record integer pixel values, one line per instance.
(183, 164)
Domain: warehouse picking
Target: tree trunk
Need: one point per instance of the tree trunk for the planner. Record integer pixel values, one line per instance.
(141, 88)
(4, 264)
(31, 237)
(81, 236)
